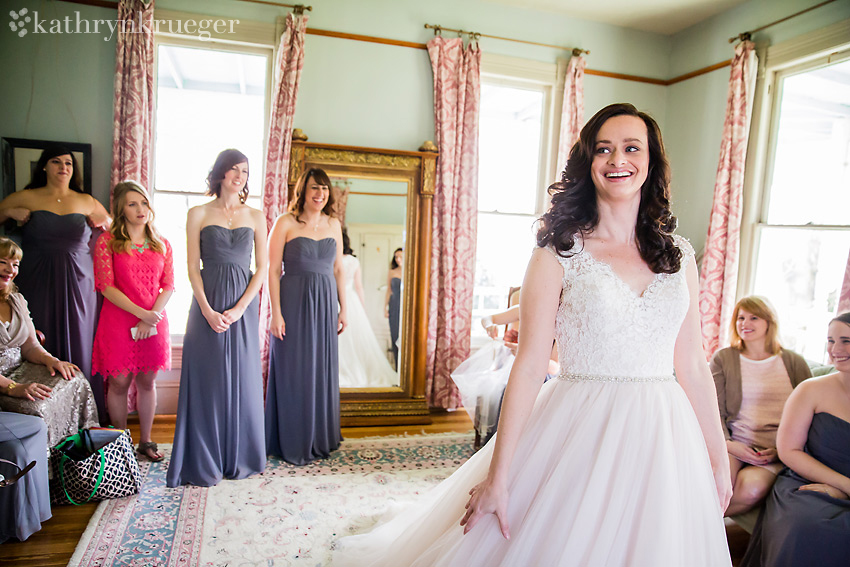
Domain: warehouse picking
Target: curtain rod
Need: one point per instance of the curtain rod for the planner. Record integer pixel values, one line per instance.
(747, 35)
(475, 35)
(299, 8)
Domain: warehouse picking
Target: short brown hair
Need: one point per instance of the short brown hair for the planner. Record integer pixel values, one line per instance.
(9, 250)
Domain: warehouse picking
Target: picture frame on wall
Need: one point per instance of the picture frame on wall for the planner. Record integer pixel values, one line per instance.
(20, 157)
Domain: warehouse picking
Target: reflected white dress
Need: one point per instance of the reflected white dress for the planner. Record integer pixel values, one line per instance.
(362, 362)
(611, 469)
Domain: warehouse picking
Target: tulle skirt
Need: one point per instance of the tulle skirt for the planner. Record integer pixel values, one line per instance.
(605, 474)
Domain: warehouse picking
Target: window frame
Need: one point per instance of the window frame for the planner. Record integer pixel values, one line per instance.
(246, 43)
(807, 52)
(517, 73)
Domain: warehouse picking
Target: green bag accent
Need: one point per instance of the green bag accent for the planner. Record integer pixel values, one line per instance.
(79, 443)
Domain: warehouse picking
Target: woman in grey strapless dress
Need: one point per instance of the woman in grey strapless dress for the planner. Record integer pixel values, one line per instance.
(219, 430)
(308, 312)
(57, 271)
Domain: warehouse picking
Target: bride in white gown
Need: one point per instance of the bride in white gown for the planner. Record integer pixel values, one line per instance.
(362, 363)
(615, 462)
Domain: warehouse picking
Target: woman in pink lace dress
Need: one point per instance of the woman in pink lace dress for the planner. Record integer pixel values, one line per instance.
(134, 271)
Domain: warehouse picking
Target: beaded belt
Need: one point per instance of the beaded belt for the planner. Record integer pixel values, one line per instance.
(575, 377)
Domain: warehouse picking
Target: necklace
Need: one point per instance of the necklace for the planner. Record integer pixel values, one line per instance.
(140, 247)
(228, 217)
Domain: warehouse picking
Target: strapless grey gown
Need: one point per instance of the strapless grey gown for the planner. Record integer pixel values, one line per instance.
(799, 528)
(302, 399)
(57, 280)
(219, 429)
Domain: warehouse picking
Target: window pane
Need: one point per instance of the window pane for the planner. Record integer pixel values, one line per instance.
(811, 168)
(505, 244)
(207, 101)
(800, 272)
(509, 148)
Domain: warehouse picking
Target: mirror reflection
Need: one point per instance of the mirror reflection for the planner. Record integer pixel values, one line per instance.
(373, 212)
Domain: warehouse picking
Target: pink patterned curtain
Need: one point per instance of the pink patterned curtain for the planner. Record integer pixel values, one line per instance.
(132, 126)
(844, 297)
(290, 61)
(132, 123)
(341, 192)
(719, 278)
(572, 111)
(457, 98)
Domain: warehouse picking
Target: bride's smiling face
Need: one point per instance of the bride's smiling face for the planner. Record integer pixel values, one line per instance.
(620, 158)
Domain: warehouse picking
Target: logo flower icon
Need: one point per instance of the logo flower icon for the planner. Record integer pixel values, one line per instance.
(19, 20)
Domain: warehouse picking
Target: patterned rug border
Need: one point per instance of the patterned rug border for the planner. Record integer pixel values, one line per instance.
(172, 528)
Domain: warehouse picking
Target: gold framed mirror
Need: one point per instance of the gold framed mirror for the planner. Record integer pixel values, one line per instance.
(377, 180)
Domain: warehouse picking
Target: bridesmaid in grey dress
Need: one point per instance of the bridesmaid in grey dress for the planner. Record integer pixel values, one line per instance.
(57, 273)
(308, 312)
(219, 430)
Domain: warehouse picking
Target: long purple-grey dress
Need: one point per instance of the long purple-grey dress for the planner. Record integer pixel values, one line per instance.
(57, 279)
(219, 430)
(302, 399)
(800, 528)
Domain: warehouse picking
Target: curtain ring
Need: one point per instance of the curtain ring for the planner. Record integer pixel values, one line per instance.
(438, 31)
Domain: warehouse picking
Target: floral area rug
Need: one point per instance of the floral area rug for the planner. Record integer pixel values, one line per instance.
(286, 516)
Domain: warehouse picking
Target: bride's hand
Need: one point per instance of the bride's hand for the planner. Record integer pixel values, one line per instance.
(487, 498)
(723, 483)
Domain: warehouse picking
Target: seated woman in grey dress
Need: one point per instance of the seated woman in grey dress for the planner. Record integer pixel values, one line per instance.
(32, 381)
(806, 519)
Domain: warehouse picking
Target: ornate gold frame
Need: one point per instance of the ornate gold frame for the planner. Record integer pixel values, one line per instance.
(406, 403)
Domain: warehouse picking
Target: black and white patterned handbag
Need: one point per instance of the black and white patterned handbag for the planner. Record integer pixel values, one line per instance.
(94, 464)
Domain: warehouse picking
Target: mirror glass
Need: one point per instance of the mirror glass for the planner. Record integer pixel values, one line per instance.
(373, 212)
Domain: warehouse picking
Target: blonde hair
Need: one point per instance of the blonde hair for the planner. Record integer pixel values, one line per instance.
(760, 307)
(120, 237)
(9, 250)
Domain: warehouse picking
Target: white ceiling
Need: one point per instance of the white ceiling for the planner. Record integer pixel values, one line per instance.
(665, 17)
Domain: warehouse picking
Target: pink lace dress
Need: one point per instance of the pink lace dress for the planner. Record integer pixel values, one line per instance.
(140, 275)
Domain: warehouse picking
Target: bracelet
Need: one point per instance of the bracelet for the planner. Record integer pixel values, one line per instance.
(11, 387)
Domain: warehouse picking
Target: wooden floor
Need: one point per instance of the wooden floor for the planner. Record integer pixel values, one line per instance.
(55, 543)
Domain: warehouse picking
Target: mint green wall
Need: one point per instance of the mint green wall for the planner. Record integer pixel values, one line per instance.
(59, 87)
(696, 107)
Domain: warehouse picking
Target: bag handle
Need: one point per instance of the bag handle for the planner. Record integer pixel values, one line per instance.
(96, 485)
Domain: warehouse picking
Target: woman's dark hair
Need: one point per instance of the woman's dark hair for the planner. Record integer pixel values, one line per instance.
(346, 243)
(574, 208)
(223, 163)
(319, 176)
(394, 264)
(843, 318)
(39, 175)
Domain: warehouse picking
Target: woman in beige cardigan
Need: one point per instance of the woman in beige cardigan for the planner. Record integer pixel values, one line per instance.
(754, 376)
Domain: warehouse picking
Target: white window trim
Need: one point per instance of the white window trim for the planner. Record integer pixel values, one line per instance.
(244, 42)
(548, 77)
(826, 44)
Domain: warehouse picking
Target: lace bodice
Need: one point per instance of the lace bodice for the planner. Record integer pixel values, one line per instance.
(604, 328)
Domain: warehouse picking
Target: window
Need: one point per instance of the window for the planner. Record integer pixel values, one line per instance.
(511, 188)
(207, 100)
(803, 236)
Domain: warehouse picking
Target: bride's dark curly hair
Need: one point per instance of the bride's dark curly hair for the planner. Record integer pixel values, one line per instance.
(574, 208)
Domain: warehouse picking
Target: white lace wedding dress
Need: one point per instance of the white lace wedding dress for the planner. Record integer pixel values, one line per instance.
(362, 362)
(611, 470)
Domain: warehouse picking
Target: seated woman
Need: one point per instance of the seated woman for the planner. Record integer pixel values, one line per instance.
(32, 381)
(806, 519)
(753, 378)
(482, 378)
